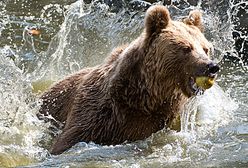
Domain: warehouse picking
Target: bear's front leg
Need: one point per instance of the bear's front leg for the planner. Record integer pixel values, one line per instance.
(66, 140)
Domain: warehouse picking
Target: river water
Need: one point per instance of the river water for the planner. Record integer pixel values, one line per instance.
(72, 35)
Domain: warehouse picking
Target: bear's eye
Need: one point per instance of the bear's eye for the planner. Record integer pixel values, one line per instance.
(187, 49)
(206, 50)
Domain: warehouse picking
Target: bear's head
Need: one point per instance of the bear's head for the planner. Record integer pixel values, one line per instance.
(176, 52)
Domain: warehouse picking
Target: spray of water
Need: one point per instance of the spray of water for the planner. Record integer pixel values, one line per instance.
(20, 129)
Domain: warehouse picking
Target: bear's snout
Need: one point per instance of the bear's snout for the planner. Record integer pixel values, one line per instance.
(213, 68)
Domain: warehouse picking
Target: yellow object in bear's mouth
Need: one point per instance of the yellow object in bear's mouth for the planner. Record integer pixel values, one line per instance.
(204, 82)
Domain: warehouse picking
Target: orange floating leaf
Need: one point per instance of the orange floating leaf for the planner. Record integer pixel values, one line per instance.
(34, 32)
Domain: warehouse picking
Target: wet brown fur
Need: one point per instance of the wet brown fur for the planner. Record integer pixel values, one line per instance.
(137, 91)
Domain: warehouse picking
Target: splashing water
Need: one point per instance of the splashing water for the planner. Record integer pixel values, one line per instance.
(204, 113)
(210, 124)
(20, 129)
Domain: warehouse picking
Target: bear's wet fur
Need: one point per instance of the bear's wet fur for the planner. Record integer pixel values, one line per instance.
(138, 90)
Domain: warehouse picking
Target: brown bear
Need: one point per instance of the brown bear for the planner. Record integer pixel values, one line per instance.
(138, 90)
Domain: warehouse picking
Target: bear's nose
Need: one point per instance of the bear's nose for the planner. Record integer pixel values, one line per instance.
(213, 68)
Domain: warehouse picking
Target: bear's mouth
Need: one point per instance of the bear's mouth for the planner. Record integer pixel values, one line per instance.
(199, 84)
(195, 89)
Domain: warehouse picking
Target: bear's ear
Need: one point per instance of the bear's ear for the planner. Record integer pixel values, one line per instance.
(157, 18)
(194, 18)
